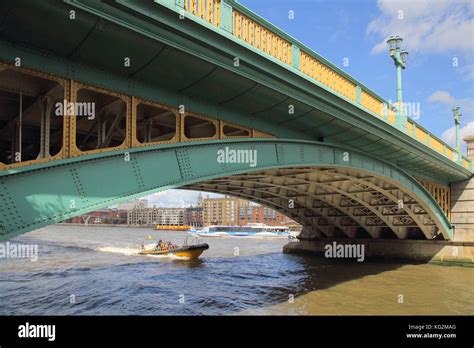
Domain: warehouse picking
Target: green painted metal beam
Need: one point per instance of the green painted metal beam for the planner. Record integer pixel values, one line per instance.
(44, 194)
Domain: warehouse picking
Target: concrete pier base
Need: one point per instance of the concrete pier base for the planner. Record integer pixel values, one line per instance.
(435, 251)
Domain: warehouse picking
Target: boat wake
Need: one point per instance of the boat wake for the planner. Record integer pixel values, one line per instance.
(135, 251)
(118, 250)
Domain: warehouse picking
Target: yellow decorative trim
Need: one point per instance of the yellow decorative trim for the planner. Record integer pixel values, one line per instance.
(441, 193)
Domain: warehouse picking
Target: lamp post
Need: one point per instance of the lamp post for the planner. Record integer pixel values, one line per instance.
(399, 57)
(457, 122)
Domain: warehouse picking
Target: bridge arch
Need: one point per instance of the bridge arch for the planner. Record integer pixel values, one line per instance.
(335, 191)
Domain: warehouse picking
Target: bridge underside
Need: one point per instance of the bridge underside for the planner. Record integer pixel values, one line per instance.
(332, 202)
(330, 190)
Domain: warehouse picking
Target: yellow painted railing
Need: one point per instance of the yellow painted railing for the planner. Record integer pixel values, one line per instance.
(421, 135)
(429, 140)
(260, 37)
(449, 153)
(371, 103)
(327, 76)
(436, 144)
(208, 10)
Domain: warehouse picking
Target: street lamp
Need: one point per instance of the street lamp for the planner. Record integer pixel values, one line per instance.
(403, 55)
(399, 58)
(457, 122)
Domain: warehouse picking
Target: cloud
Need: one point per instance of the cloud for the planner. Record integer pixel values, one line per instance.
(466, 104)
(467, 71)
(176, 198)
(430, 26)
(442, 97)
(449, 135)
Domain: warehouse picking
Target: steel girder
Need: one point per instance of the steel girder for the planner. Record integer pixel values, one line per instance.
(334, 189)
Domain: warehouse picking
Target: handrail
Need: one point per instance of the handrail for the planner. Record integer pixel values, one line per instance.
(260, 37)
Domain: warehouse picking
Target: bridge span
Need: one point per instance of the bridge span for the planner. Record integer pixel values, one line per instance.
(109, 100)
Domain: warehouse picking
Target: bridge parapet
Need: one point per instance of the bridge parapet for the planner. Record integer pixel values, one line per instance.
(265, 38)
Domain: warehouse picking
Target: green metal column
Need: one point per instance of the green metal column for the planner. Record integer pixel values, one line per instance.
(295, 58)
(402, 117)
(399, 59)
(359, 95)
(399, 83)
(226, 17)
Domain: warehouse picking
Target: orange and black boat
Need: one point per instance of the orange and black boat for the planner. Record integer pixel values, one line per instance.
(186, 251)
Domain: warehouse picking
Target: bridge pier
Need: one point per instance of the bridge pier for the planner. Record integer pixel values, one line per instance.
(406, 250)
(458, 250)
(462, 202)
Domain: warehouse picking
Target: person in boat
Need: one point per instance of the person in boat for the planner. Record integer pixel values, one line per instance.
(143, 246)
(159, 245)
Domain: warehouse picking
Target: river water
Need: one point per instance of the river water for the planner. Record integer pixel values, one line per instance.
(95, 270)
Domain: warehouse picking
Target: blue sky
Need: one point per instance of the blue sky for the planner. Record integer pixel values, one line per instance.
(437, 34)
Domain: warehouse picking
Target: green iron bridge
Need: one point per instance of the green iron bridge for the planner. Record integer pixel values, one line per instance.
(102, 101)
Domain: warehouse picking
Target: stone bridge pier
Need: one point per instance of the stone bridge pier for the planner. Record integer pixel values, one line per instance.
(462, 203)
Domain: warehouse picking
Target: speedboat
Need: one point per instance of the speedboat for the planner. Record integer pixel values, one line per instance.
(187, 251)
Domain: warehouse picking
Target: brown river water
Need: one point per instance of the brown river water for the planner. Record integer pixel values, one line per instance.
(98, 267)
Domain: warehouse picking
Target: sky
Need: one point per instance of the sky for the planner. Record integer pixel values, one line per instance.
(438, 34)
